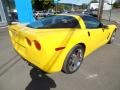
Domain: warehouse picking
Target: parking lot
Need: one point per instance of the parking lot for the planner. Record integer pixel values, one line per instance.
(99, 71)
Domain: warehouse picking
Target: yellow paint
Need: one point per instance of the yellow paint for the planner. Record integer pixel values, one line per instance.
(47, 58)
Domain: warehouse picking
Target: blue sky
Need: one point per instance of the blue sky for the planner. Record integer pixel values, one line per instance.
(78, 2)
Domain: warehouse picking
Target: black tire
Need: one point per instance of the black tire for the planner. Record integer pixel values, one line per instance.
(112, 38)
(73, 60)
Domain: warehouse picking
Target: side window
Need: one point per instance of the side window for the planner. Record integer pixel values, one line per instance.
(91, 22)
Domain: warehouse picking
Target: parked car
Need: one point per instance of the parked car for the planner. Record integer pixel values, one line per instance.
(89, 12)
(61, 42)
(65, 12)
(38, 14)
(13, 16)
(50, 12)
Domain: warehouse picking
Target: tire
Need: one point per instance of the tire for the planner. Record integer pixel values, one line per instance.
(112, 38)
(73, 60)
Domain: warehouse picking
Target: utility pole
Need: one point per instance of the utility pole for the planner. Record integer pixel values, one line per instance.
(100, 9)
(111, 9)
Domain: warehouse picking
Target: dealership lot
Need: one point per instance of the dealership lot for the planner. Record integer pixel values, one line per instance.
(99, 71)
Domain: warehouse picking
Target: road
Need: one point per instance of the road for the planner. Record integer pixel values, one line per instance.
(99, 71)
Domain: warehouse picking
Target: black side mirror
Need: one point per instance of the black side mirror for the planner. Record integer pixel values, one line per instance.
(101, 25)
(105, 27)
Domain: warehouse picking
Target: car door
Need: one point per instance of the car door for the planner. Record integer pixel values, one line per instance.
(95, 32)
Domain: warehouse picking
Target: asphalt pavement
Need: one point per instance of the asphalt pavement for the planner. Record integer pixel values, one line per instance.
(99, 71)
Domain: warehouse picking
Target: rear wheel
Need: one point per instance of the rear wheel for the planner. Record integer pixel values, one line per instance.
(73, 60)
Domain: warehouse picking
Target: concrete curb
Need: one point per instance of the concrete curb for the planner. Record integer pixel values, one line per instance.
(113, 22)
(118, 22)
(3, 28)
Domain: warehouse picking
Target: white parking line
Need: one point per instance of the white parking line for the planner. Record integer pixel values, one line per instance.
(88, 75)
(92, 76)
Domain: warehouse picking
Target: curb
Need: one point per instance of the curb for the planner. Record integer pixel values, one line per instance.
(3, 28)
(113, 22)
(117, 22)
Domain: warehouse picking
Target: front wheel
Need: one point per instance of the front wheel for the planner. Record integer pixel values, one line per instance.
(73, 60)
(112, 38)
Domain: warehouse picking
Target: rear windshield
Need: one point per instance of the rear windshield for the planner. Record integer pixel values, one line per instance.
(55, 22)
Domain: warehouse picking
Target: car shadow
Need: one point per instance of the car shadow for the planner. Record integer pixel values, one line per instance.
(40, 81)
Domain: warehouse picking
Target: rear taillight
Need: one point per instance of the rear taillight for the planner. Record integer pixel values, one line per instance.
(28, 41)
(37, 44)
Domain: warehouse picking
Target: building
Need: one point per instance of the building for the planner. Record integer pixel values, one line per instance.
(107, 5)
(95, 6)
(3, 20)
(110, 1)
(22, 8)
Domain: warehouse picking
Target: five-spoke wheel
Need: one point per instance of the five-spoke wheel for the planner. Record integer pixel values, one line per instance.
(74, 59)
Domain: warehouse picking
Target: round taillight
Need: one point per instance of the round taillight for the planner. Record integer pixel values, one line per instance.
(28, 41)
(37, 45)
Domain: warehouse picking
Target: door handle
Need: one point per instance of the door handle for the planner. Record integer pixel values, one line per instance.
(89, 34)
(103, 29)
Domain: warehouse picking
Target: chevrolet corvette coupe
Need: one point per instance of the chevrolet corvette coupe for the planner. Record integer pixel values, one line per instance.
(60, 42)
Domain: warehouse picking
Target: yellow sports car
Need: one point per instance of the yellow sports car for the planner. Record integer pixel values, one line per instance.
(60, 42)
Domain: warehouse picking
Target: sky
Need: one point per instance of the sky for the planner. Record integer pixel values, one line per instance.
(77, 2)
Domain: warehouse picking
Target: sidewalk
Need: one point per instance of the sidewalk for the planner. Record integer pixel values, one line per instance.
(4, 28)
(107, 22)
(115, 15)
(8, 57)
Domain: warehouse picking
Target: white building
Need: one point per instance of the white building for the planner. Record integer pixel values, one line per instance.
(107, 5)
(110, 1)
(95, 6)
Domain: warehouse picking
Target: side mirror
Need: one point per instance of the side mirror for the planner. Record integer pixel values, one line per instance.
(105, 27)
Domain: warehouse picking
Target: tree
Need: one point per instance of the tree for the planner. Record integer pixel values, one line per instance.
(84, 6)
(60, 7)
(94, 1)
(39, 5)
(116, 4)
